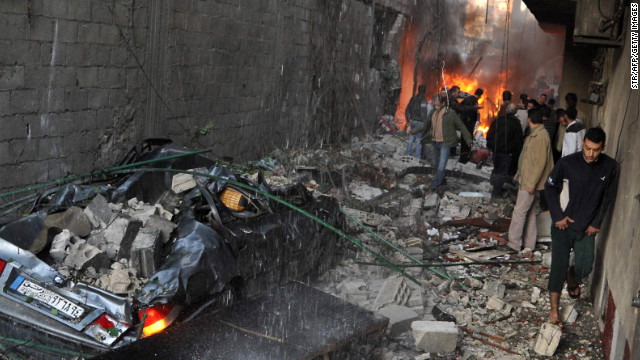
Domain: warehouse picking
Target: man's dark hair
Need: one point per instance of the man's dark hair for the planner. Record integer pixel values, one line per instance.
(571, 99)
(535, 115)
(596, 135)
(454, 88)
(560, 113)
(551, 102)
(506, 95)
(479, 92)
(524, 98)
(572, 113)
(422, 89)
(535, 103)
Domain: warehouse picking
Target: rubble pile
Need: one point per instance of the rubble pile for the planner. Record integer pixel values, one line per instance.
(476, 298)
(114, 246)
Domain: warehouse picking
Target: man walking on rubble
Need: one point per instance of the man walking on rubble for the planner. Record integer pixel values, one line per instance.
(591, 176)
(504, 138)
(534, 165)
(440, 130)
(416, 113)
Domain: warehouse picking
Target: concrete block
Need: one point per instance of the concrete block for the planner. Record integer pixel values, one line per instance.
(543, 223)
(473, 283)
(125, 242)
(415, 300)
(535, 294)
(72, 219)
(24, 101)
(569, 314)
(495, 303)
(59, 246)
(400, 319)
(165, 226)
(394, 291)
(117, 281)
(98, 212)
(431, 201)
(82, 255)
(141, 211)
(548, 339)
(435, 336)
(182, 182)
(546, 259)
(493, 288)
(11, 77)
(145, 251)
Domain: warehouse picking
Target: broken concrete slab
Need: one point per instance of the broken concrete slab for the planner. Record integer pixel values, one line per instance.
(494, 288)
(494, 303)
(182, 182)
(366, 218)
(72, 219)
(145, 251)
(363, 192)
(543, 223)
(546, 259)
(165, 226)
(400, 319)
(548, 339)
(117, 281)
(394, 291)
(82, 255)
(59, 245)
(569, 314)
(124, 243)
(473, 283)
(99, 212)
(435, 336)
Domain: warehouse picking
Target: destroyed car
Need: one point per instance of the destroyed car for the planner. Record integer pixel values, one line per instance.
(99, 264)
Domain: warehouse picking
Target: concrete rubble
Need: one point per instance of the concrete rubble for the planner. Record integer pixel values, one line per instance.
(387, 192)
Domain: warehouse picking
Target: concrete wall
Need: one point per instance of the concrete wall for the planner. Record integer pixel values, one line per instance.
(618, 255)
(81, 81)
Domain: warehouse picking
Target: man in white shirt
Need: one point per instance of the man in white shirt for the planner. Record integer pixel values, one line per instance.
(574, 134)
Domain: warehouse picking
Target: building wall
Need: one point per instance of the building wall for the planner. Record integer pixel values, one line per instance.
(618, 254)
(82, 81)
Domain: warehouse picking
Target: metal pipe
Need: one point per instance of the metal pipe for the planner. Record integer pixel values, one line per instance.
(460, 263)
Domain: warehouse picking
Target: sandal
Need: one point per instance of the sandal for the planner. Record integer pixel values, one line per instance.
(557, 323)
(572, 289)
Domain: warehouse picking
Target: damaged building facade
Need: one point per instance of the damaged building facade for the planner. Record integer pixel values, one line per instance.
(82, 81)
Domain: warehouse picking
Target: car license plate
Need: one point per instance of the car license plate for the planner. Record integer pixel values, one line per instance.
(37, 292)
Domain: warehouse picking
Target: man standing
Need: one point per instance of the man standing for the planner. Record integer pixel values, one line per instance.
(534, 165)
(504, 138)
(416, 113)
(574, 133)
(440, 129)
(391, 84)
(562, 127)
(469, 117)
(506, 100)
(591, 175)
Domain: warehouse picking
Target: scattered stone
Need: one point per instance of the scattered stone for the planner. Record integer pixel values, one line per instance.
(99, 212)
(145, 251)
(548, 339)
(569, 314)
(165, 226)
(493, 288)
(441, 315)
(535, 294)
(546, 259)
(494, 303)
(82, 255)
(473, 283)
(435, 336)
(400, 319)
(72, 219)
(393, 291)
(59, 246)
(182, 182)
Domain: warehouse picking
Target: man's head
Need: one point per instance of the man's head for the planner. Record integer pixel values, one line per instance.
(572, 114)
(535, 117)
(506, 95)
(552, 103)
(524, 98)
(436, 101)
(478, 93)
(422, 89)
(532, 104)
(562, 117)
(512, 108)
(542, 99)
(593, 144)
(454, 91)
(571, 99)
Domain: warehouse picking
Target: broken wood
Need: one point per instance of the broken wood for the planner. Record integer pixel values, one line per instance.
(490, 336)
(501, 225)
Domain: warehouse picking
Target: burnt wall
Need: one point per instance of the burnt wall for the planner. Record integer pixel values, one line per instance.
(81, 81)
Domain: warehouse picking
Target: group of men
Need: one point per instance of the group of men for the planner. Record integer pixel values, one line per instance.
(549, 154)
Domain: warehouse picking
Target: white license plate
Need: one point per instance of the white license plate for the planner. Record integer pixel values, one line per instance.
(58, 302)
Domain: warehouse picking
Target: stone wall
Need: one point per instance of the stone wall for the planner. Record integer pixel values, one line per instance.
(82, 81)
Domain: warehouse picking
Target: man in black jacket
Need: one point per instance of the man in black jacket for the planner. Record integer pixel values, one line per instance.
(504, 138)
(469, 117)
(591, 185)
